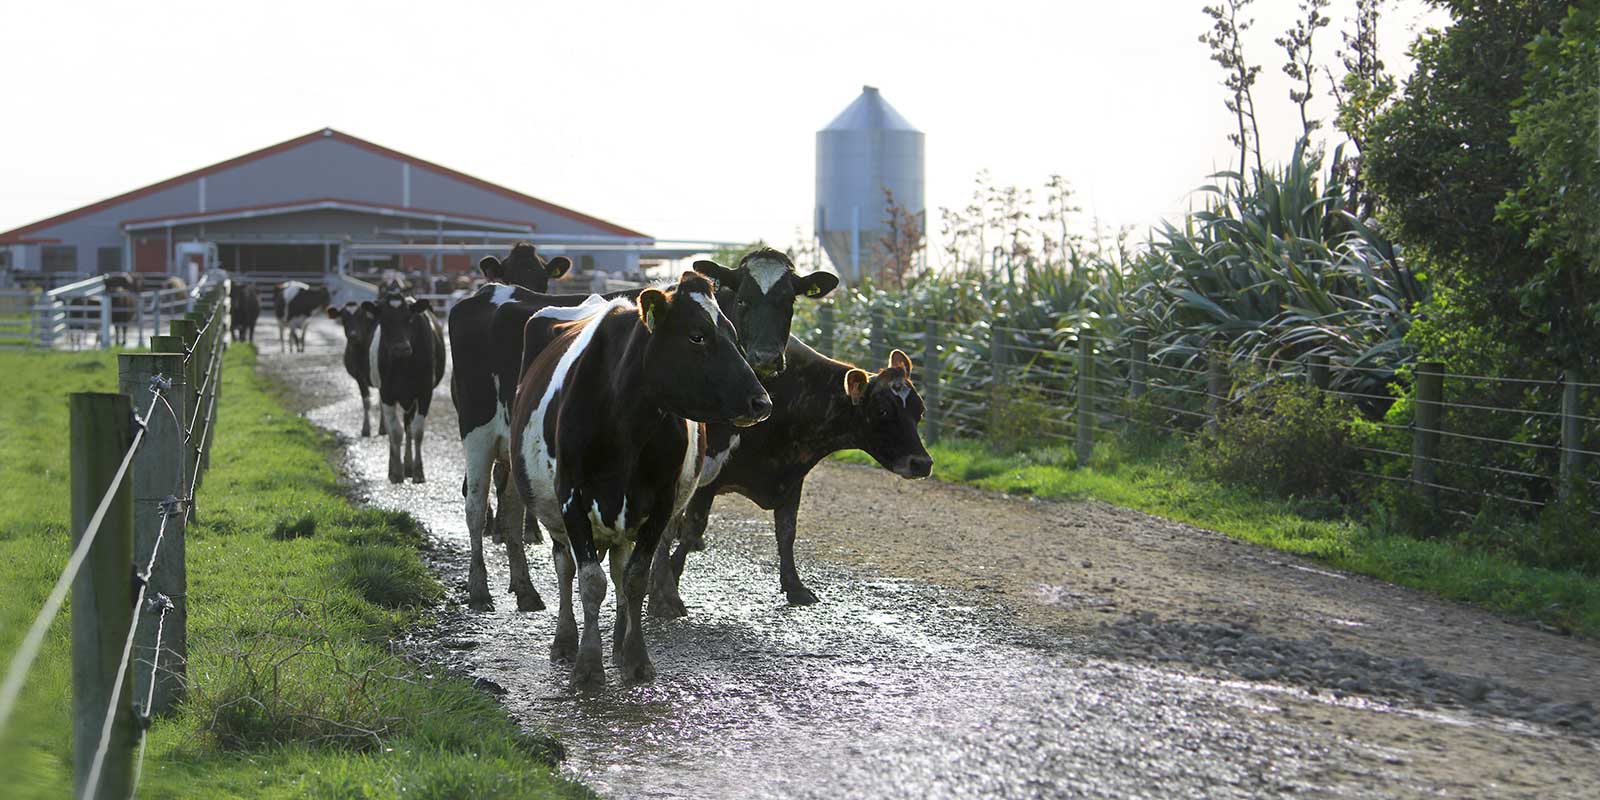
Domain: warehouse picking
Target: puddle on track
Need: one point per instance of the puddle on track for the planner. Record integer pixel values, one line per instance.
(887, 688)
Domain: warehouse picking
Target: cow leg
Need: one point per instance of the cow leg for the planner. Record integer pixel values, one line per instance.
(383, 419)
(783, 523)
(617, 560)
(419, 426)
(391, 413)
(589, 669)
(565, 647)
(502, 472)
(407, 463)
(665, 602)
(636, 664)
(528, 598)
(475, 490)
(691, 536)
(366, 406)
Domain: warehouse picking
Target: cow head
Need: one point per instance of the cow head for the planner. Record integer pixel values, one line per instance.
(888, 409)
(357, 320)
(759, 295)
(525, 268)
(397, 316)
(692, 361)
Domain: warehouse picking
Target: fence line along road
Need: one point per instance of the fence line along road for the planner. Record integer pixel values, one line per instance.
(134, 478)
(1098, 381)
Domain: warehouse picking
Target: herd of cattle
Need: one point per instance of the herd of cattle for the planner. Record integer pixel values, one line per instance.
(124, 290)
(613, 421)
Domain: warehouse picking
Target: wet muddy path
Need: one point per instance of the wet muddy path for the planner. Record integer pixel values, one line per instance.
(906, 682)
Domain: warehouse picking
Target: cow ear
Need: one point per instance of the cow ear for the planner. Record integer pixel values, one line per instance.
(899, 360)
(855, 385)
(558, 266)
(653, 307)
(490, 267)
(333, 313)
(818, 284)
(719, 275)
(370, 307)
(420, 304)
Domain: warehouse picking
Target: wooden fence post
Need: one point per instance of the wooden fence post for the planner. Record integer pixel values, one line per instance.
(1137, 360)
(1085, 396)
(825, 329)
(1216, 386)
(1571, 436)
(102, 429)
(878, 341)
(1317, 371)
(1425, 430)
(997, 353)
(930, 384)
(158, 485)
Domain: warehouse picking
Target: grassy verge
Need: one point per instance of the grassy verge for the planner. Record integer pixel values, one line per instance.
(294, 596)
(1157, 480)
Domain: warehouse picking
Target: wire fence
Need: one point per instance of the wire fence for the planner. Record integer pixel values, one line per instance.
(129, 662)
(1462, 440)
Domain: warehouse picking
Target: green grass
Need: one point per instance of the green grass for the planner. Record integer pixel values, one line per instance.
(294, 595)
(1158, 480)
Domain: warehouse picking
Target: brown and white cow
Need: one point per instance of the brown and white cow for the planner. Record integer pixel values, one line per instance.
(608, 443)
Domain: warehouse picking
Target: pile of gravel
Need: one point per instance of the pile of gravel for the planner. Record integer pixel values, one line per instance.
(1319, 666)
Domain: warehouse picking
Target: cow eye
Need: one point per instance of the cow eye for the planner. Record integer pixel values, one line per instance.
(697, 338)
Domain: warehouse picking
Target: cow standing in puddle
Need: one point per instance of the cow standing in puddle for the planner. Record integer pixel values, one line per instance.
(607, 444)
(406, 362)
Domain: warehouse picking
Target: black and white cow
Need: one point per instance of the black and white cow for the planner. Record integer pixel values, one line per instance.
(405, 361)
(295, 303)
(758, 296)
(487, 366)
(360, 323)
(245, 306)
(820, 406)
(608, 443)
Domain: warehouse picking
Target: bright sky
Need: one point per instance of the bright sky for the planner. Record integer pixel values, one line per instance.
(685, 119)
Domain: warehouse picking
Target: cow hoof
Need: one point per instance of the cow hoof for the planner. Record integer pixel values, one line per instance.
(418, 478)
(801, 596)
(366, 430)
(588, 672)
(565, 648)
(484, 603)
(529, 601)
(396, 477)
(641, 672)
(662, 607)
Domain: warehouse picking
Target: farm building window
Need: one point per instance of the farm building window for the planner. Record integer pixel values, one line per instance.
(5, 258)
(108, 259)
(59, 258)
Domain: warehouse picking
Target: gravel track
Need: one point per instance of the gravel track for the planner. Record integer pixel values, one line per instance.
(971, 644)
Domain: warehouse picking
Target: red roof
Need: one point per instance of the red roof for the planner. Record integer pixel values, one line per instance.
(16, 235)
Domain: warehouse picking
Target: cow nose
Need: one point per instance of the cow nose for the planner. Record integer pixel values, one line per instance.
(918, 466)
(767, 366)
(760, 406)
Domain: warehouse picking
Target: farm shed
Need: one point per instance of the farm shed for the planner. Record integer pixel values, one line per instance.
(293, 207)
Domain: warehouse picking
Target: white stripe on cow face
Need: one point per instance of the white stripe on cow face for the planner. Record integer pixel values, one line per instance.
(708, 304)
(902, 391)
(767, 272)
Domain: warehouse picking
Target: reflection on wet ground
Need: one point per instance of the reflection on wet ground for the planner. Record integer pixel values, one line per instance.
(888, 688)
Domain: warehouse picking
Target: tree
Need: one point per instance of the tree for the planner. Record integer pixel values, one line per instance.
(1227, 49)
(1441, 160)
(1297, 43)
(1557, 124)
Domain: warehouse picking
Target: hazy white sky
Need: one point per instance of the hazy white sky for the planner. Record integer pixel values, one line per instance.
(682, 119)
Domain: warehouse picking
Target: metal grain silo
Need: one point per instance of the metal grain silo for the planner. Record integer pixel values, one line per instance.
(867, 148)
